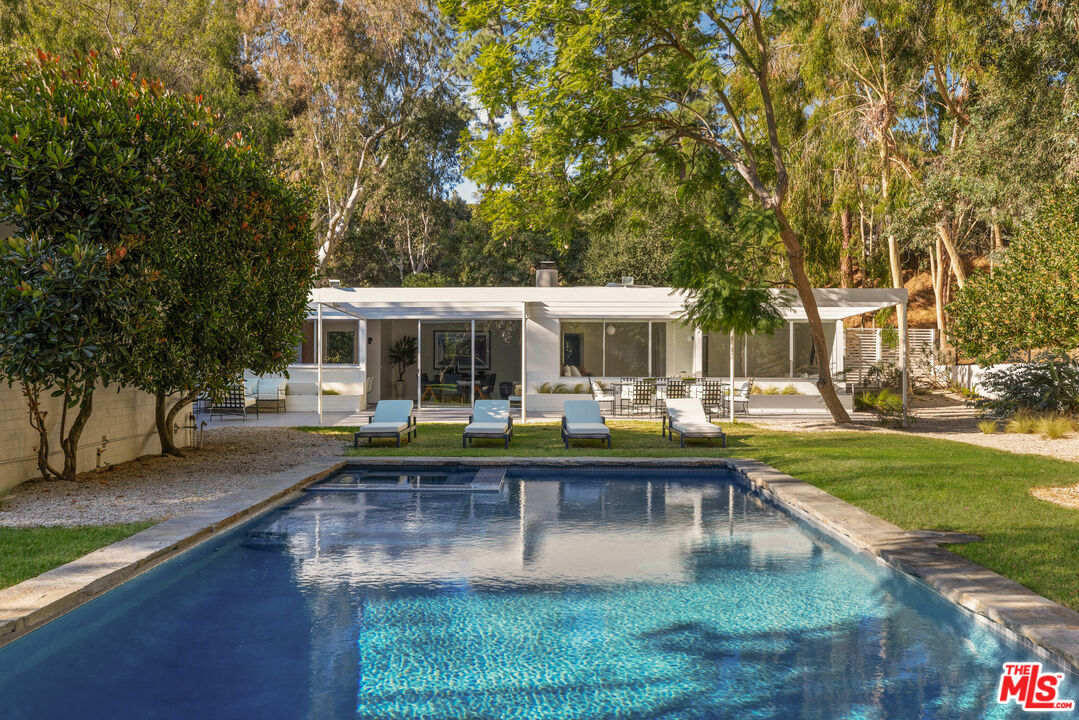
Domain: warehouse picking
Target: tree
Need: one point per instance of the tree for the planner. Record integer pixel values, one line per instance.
(75, 288)
(1031, 301)
(235, 250)
(358, 75)
(608, 84)
(192, 46)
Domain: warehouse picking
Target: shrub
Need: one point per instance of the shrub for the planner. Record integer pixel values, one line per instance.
(884, 374)
(1022, 423)
(989, 427)
(1053, 427)
(789, 389)
(886, 405)
(1050, 384)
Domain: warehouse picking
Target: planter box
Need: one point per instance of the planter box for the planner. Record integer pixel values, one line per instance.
(796, 402)
(330, 403)
(553, 402)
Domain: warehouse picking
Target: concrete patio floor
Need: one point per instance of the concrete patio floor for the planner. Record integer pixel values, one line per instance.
(459, 414)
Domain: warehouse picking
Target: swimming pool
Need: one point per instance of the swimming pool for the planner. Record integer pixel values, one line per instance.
(591, 593)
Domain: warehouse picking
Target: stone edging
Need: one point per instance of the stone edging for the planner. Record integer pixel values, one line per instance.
(36, 601)
(1030, 616)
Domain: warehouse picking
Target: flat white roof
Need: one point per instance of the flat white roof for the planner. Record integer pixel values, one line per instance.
(636, 302)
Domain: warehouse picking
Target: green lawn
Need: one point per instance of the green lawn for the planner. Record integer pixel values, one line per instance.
(26, 552)
(914, 482)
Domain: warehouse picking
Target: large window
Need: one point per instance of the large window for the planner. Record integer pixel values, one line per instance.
(614, 349)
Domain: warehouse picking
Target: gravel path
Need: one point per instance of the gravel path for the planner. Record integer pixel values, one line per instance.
(156, 488)
(946, 417)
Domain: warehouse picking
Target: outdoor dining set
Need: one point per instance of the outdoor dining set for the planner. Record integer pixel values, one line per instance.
(632, 396)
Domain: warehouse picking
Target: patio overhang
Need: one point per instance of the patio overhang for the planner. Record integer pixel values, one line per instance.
(573, 303)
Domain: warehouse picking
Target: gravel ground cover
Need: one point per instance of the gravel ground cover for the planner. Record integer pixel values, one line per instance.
(154, 488)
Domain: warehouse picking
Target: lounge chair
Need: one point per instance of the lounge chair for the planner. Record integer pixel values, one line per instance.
(581, 420)
(392, 418)
(490, 419)
(686, 417)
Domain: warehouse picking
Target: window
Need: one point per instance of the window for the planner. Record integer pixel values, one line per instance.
(614, 349)
(340, 347)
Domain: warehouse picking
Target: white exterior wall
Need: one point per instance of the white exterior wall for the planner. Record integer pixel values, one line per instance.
(125, 417)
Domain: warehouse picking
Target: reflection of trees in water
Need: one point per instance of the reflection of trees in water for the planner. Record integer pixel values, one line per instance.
(831, 671)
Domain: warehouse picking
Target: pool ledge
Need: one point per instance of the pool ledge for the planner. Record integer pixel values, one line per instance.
(36, 601)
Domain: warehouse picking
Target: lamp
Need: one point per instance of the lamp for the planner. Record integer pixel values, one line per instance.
(610, 329)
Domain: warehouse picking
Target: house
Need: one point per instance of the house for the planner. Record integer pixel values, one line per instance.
(482, 341)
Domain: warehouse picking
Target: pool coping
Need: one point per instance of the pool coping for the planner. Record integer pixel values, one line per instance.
(1043, 623)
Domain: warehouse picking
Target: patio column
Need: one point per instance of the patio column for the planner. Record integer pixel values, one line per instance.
(790, 347)
(904, 351)
(318, 353)
(419, 364)
(732, 376)
(697, 366)
(472, 378)
(524, 366)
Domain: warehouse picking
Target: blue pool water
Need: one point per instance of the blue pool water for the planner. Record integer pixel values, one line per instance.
(570, 594)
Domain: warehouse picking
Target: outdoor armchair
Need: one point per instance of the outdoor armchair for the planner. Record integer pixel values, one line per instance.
(392, 418)
(237, 401)
(582, 420)
(490, 419)
(271, 390)
(686, 417)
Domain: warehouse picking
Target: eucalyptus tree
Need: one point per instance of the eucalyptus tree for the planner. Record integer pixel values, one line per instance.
(356, 74)
(603, 85)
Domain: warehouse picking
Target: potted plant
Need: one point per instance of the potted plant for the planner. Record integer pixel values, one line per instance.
(402, 357)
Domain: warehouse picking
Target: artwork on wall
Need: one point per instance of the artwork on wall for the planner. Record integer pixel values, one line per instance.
(452, 349)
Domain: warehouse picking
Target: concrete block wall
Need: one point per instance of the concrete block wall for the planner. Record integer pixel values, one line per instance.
(125, 417)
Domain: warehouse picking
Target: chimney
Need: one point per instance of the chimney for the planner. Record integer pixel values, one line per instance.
(547, 275)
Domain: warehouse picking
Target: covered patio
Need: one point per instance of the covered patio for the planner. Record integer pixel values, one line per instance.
(539, 346)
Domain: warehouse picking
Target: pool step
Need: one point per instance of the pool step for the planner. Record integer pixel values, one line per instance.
(489, 479)
(486, 479)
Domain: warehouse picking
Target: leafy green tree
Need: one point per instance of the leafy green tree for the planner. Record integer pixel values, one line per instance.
(1031, 301)
(601, 86)
(210, 254)
(235, 250)
(75, 288)
(193, 46)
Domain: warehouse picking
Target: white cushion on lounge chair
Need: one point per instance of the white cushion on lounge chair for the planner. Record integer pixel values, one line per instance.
(687, 417)
(378, 428)
(392, 411)
(697, 429)
(587, 429)
(486, 428)
(489, 417)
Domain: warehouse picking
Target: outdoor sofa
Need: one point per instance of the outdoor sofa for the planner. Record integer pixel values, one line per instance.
(490, 419)
(582, 420)
(392, 419)
(686, 417)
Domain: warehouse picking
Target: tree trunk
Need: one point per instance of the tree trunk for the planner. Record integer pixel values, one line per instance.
(953, 253)
(893, 262)
(37, 421)
(71, 442)
(796, 260)
(846, 272)
(998, 244)
(936, 263)
(164, 420)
